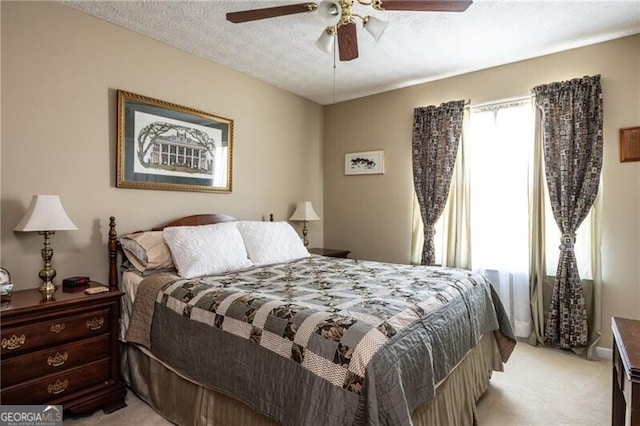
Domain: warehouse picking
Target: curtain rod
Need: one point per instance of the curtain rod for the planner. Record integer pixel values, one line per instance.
(499, 101)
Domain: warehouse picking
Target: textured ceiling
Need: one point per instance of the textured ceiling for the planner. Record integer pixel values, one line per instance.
(416, 47)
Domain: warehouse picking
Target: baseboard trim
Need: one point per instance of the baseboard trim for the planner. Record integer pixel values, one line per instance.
(604, 353)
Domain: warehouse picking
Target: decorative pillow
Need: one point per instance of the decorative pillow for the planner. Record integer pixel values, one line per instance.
(147, 251)
(207, 249)
(271, 242)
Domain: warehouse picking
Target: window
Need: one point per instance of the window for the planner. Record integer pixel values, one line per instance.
(498, 147)
(500, 155)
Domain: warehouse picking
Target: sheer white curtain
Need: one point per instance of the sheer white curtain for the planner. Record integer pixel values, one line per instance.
(500, 146)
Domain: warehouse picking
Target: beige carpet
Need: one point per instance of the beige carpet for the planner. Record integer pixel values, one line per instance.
(542, 386)
(538, 387)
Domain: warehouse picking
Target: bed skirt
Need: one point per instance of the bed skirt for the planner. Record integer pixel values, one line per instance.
(185, 403)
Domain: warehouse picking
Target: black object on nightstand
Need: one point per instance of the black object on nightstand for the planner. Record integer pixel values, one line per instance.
(62, 351)
(330, 252)
(76, 281)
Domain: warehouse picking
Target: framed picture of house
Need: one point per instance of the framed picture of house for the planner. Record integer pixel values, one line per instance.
(171, 147)
(630, 144)
(364, 163)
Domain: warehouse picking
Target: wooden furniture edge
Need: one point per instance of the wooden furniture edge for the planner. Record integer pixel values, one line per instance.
(197, 220)
(625, 400)
(113, 246)
(331, 252)
(618, 323)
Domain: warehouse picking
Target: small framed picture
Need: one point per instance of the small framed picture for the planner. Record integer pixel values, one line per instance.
(630, 144)
(364, 163)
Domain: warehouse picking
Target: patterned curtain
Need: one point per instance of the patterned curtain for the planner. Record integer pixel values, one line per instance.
(436, 134)
(572, 119)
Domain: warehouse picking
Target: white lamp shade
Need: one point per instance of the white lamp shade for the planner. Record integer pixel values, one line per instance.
(45, 213)
(329, 12)
(304, 212)
(375, 26)
(325, 41)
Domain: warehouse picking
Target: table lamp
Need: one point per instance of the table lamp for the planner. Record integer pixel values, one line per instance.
(46, 215)
(304, 213)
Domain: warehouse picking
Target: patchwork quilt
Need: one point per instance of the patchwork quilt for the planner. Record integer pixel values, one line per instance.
(320, 340)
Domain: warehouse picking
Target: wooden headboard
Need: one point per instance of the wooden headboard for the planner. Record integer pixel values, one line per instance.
(194, 220)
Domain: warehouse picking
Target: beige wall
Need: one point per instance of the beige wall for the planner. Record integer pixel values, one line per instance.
(371, 215)
(60, 72)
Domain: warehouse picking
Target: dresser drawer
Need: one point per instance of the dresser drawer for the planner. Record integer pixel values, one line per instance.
(57, 386)
(54, 360)
(63, 329)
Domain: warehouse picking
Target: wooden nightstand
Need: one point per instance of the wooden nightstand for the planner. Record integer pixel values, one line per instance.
(61, 352)
(330, 252)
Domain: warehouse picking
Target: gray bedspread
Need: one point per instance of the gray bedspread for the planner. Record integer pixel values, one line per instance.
(321, 340)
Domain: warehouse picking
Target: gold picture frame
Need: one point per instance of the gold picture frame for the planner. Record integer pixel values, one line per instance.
(165, 146)
(630, 144)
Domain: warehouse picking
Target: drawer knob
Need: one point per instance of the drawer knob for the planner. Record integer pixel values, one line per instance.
(58, 360)
(58, 387)
(57, 328)
(14, 342)
(95, 324)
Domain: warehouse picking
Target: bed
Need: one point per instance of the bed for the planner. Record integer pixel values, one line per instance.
(307, 340)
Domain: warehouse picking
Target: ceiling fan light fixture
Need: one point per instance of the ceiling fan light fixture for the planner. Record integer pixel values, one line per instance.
(329, 12)
(326, 40)
(374, 26)
(339, 20)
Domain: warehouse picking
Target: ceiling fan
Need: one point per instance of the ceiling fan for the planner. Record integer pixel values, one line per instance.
(339, 18)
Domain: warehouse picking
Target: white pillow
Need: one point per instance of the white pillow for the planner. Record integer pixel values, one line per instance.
(207, 249)
(271, 242)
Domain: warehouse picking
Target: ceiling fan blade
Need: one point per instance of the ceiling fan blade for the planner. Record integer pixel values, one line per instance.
(270, 12)
(427, 5)
(347, 41)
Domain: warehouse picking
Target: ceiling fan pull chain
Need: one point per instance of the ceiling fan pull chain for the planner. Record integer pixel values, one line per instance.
(335, 53)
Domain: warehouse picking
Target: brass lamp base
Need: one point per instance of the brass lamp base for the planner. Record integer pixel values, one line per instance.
(47, 274)
(305, 232)
(47, 288)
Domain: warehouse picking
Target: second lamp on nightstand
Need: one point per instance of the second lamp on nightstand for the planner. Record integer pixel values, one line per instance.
(304, 213)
